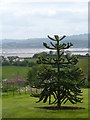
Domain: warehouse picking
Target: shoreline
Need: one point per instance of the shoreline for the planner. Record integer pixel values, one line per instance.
(30, 52)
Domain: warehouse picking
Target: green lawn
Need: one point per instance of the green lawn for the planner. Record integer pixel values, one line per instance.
(0, 107)
(83, 63)
(13, 71)
(24, 106)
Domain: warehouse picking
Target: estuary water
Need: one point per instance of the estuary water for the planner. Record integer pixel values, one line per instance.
(30, 52)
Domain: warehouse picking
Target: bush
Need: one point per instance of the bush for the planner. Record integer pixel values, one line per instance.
(6, 88)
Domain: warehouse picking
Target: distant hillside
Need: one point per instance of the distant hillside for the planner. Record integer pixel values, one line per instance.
(79, 41)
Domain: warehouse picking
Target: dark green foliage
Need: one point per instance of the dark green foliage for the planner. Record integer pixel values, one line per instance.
(33, 76)
(31, 64)
(21, 63)
(35, 95)
(45, 55)
(18, 63)
(63, 82)
(6, 63)
(9, 88)
(42, 54)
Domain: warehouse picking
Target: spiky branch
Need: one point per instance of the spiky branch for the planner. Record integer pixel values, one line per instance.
(62, 84)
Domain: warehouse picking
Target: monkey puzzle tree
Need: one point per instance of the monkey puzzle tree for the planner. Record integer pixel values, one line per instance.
(64, 81)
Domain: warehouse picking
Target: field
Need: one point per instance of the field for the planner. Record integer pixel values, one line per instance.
(13, 71)
(84, 64)
(24, 106)
(0, 106)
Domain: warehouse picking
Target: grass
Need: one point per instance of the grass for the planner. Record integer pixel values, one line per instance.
(24, 106)
(0, 106)
(13, 71)
(83, 63)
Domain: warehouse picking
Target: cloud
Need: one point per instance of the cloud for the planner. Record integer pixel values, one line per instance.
(26, 17)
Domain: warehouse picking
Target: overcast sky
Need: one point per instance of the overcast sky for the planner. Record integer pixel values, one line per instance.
(22, 19)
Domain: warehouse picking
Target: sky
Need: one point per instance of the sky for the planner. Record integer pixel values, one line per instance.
(23, 19)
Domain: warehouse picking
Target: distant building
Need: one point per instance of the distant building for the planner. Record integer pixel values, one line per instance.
(21, 59)
(16, 81)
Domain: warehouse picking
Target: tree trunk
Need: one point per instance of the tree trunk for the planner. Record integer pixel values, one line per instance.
(58, 105)
(49, 99)
(58, 77)
(59, 102)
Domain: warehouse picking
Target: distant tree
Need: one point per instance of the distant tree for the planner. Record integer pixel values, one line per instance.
(21, 63)
(42, 54)
(11, 59)
(87, 54)
(6, 63)
(63, 82)
(51, 52)
(31, 64)
(33, 76)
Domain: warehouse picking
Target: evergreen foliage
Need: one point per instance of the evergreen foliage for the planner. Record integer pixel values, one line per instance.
(60, 84)
(33, 76)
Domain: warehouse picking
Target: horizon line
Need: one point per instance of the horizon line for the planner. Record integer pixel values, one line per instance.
(40, 37)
